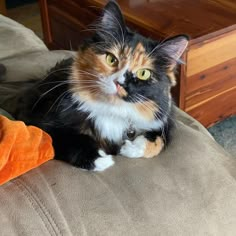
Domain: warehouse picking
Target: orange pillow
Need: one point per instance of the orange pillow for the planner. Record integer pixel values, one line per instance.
(22, 148)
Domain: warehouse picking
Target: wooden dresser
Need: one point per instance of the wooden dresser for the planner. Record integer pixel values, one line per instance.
(206, 83)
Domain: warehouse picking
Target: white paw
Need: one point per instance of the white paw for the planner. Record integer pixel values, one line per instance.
(134, 149)
(103, 162)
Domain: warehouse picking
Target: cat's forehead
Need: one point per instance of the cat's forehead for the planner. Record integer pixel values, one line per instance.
(135, 55)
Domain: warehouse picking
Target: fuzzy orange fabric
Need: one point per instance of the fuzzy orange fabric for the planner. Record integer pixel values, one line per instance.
(22, 148)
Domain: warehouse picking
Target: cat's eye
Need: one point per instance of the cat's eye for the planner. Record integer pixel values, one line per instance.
(143, 74)
(111, 60)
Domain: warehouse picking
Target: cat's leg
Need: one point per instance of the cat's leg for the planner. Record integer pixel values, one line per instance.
(148, 145)
(80, 151)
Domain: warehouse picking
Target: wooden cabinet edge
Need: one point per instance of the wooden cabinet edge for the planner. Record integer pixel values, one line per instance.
(47, 36)
(182, 81)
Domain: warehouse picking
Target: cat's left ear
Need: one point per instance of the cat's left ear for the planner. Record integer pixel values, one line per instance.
(173, 49)
(112, 20)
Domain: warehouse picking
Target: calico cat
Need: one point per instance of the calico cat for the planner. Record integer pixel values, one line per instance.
(113, 98)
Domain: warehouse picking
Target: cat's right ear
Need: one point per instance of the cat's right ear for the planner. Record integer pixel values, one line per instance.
(173, 48)
(112, 23)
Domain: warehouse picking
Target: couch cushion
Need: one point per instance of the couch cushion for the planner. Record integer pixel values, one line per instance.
(188, 190)
(33, 65)
(16, 39)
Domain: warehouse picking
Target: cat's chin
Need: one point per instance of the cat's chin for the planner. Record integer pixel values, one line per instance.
(113, 99)
(116, 94)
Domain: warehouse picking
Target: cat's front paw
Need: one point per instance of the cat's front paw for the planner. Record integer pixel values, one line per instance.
(103, 162)
(134, 149)
(142, 147)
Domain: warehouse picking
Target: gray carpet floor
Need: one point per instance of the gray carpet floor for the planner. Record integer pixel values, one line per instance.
(224, 133)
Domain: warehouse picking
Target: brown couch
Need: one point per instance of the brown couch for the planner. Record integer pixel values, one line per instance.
(190, 189)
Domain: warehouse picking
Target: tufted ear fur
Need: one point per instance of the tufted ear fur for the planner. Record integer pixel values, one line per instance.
(173, 48)
(169, 52)
(112, 23)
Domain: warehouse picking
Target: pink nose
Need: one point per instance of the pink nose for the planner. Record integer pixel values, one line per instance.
(118, 85)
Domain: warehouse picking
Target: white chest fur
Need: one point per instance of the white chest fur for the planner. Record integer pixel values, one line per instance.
(113, 120)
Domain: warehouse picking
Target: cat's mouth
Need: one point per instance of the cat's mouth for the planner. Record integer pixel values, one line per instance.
(121, 92)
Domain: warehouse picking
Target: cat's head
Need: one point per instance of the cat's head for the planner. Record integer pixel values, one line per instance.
(118, 65)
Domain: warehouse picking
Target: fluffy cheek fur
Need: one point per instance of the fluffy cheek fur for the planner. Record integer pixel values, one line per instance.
(89, 74)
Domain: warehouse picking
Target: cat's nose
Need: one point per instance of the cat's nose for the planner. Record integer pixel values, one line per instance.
(120, 80)
(118, 84)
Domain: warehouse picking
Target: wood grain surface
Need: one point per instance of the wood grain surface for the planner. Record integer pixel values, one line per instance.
(216, 109)
(3, 9)
(210, 54)
(170, 17)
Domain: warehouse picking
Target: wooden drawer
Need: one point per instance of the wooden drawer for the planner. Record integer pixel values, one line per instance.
(210, 78)
(210, 83)
(65, 34)
(210, 53)
(215, 109)
(67, 27)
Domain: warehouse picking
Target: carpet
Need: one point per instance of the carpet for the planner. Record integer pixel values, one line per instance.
(224, 133)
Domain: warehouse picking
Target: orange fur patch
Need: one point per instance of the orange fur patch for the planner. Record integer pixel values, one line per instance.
(85, 71)
(153, 148)
(140, 59)
(147, 109)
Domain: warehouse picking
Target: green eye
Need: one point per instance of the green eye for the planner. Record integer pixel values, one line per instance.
(111, 60)
(143, 74)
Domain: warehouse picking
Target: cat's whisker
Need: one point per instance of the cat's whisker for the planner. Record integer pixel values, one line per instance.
(86, 82)
(86, 72)
(84, 76)
(146, 106)
(99, 43)
(163, 134)
(56, 82)
(71, 48)
(60, 84)
(101, 47)
(45, 93)
(160, 43)
(159, 107)
(61, 100)
(55, 71)
(165, 113)
(87, 87)
(141, 102)
(56, 102)
(146, 99)
(102, 82)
